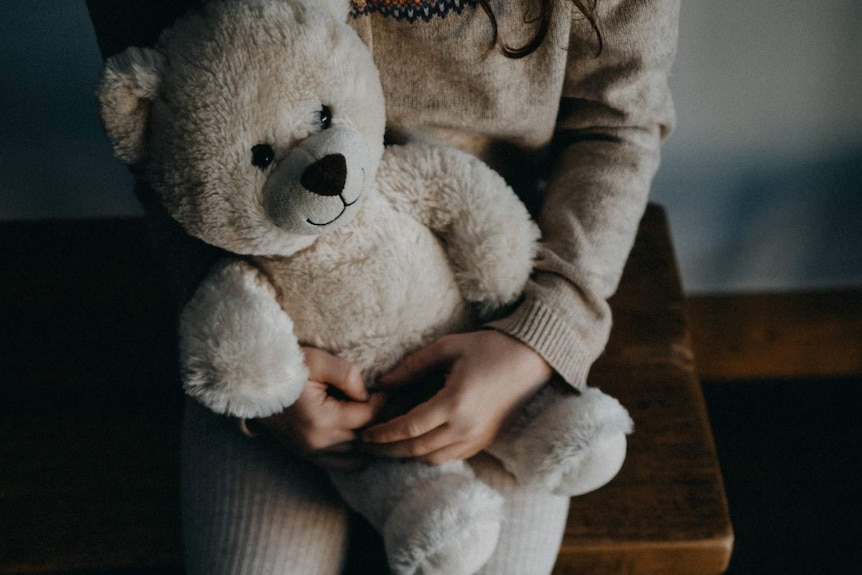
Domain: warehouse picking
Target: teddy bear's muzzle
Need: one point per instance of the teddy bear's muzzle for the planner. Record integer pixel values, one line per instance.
(326, 176)
(317, 186)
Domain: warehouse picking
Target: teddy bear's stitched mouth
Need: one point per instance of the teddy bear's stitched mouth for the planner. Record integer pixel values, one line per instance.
(344, 206)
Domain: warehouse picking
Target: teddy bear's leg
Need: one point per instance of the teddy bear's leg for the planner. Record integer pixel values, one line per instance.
(565, 443)
(435, 520)
(238, 351)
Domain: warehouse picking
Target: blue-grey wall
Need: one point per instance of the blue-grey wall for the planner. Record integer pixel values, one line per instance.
(55, 161)
(762, 180)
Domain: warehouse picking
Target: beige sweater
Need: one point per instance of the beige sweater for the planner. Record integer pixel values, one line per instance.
(606, 116)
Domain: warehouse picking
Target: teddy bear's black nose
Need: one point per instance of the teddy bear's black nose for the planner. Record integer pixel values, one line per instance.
(326, 176)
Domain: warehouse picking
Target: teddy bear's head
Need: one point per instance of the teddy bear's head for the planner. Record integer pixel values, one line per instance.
(258, 122)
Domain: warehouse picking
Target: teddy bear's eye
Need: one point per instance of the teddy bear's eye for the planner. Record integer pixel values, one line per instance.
(325, 117)
(262, 156)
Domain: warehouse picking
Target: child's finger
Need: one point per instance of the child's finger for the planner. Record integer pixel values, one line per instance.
(437, 439)
(378, 403)
(419, 421)
(354, 415)
(341, 374)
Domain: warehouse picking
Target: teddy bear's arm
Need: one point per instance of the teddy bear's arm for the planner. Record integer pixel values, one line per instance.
(238, 351)
(488, 233)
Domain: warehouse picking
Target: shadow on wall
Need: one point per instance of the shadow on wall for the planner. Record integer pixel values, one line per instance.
(765, 223)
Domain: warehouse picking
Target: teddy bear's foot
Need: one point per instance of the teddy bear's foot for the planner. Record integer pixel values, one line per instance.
(566, 443)
(446, 527)
(596, 468)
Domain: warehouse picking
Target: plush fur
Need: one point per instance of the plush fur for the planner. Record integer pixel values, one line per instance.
(260, 124)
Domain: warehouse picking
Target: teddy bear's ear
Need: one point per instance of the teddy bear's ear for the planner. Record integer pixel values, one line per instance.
(129, 84)
(340, 9)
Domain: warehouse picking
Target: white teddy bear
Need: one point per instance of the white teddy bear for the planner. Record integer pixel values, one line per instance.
(260, 125)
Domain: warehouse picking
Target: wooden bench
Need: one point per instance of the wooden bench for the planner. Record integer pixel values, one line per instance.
(666, 512)
(91, 406)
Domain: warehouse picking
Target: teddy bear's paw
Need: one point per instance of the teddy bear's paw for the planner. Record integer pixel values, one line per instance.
(492, 269)
(571, 445)
(446, 527)
(238, 352)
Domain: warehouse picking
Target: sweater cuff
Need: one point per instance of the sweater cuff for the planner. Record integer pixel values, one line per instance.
(536, 325)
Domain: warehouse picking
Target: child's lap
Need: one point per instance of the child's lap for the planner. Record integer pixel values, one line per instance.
(250, 506)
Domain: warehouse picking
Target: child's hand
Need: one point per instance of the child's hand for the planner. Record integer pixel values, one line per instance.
(489, 375)
(320, 425)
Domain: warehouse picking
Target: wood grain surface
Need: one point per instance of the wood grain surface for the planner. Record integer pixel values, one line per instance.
(778, 335)
(666, 512)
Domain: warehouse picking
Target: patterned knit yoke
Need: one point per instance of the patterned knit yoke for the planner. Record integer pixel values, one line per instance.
(410, 10)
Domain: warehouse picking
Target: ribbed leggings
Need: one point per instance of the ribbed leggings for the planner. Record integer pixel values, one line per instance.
(251, 508)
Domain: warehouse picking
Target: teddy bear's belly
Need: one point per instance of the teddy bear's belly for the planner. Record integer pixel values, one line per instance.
(368, 298)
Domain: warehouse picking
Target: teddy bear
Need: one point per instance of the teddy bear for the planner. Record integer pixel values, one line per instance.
(260, 125)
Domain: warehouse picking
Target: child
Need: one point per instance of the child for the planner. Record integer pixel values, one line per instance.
(568, 100)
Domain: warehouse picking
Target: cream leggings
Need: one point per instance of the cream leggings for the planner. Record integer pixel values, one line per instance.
(251, 508)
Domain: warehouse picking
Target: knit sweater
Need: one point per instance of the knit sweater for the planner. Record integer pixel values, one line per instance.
(578, 128)
(577, 133)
